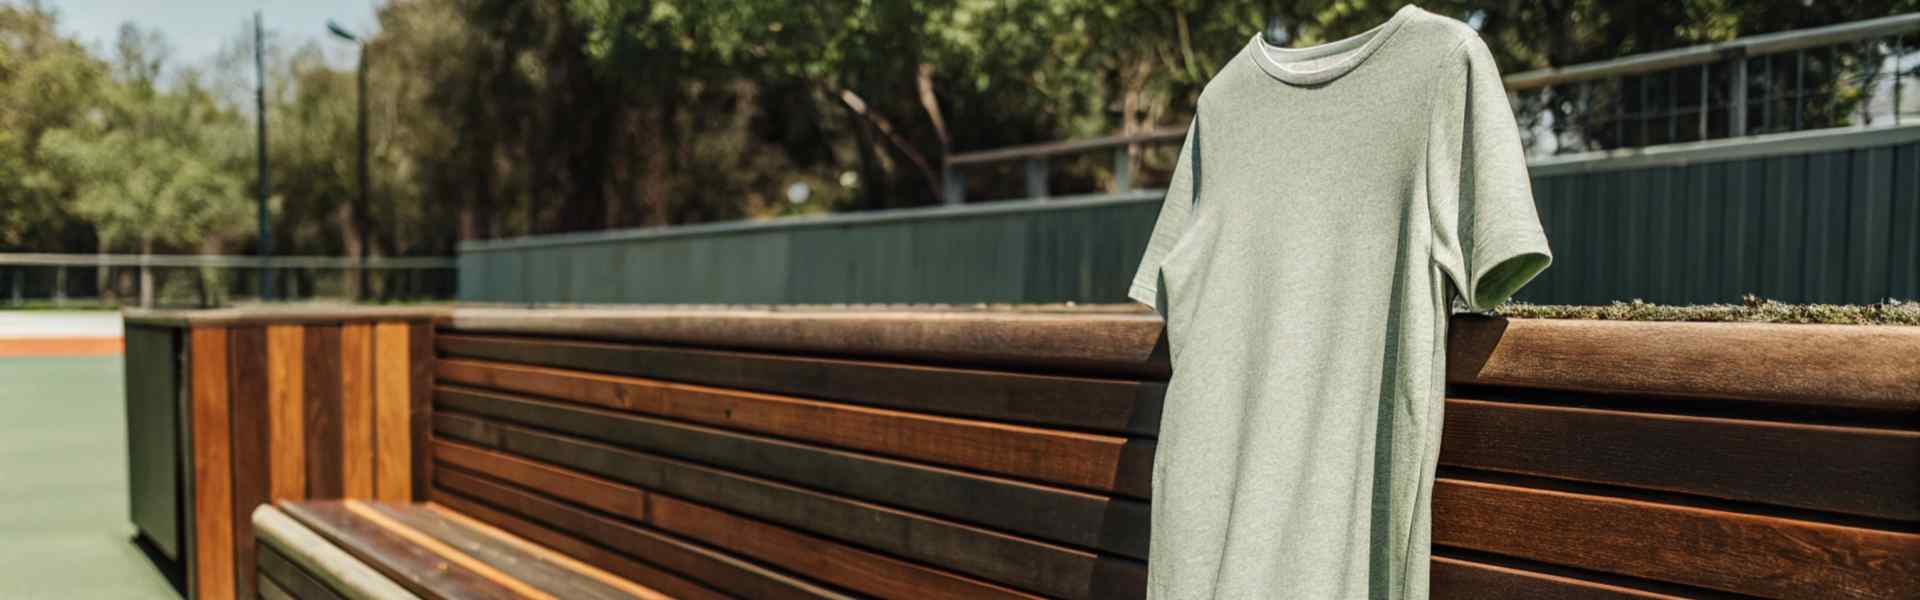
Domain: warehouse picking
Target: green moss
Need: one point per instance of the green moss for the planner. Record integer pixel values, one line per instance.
(1753, 310)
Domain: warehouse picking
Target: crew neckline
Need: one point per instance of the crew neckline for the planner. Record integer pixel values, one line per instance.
(1348, 53)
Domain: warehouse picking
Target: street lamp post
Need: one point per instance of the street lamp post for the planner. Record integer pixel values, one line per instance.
(366, 198)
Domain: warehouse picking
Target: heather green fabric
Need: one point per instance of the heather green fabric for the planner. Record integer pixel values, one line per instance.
(1330, 204)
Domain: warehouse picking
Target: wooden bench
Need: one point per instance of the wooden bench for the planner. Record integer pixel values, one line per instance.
(789, 453)
(351, 549)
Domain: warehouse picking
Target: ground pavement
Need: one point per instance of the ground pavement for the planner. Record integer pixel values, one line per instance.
(64, 532)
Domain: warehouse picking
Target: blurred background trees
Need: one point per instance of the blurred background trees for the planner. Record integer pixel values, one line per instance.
(500, 118)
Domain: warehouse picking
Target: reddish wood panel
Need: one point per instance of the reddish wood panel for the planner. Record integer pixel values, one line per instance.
(286, 411)
(356, 410)
(1858, 367)
(211, 575)
(1742, 553)
(324, 428)
(1854, 470)
(1099, 462)
(247, 360)
(420, 362)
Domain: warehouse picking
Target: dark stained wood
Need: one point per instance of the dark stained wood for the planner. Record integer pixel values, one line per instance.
(818, 558)
(247, 371)
(1018, 562)
(1869, 472)
(211, 570)
(547, 576)
(1114, 525)
(719, 570)
(420, 365)
(646, 574)
(1467, 580)
(325, 430)
(295, 581)
(1862, 367)
(1081, 460)
(1091, 342)
(1742, 553)
(271, 591)
(414, 567)
(1099, 404)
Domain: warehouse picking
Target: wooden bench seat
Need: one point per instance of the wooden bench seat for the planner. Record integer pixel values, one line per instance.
(356, 550)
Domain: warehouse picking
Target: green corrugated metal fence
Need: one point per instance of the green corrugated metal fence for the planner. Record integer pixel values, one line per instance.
(1824, 216)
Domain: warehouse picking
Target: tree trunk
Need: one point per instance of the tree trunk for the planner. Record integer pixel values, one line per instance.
(103, 276)
(146, 273)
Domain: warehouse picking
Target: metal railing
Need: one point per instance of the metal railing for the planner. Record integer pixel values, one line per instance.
(1847, 75)
(212, 280)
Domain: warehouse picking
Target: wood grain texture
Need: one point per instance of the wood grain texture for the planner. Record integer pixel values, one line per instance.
(414, 567)
(1741, 553)
(1092, 403)
(1091, 461)
(1018, 562)
(356, 410)
(1112, 524)
(420, 364)
(716, 569)
(542, 569)
(211, 571)
(1083, 341)
(268, 590)
(1868, 472)
(652, 576)
(392, 412)
(1116, 525)
(1467, 580)
(448, 552)
(817, 558)
(325, 430)
(247, 373)
(290, 578)
(286, 411)
(1862, 367)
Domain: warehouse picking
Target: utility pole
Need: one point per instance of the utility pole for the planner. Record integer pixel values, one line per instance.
(260, 124)
(366, 197)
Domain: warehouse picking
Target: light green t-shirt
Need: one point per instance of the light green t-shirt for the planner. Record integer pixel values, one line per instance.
(1329, 206)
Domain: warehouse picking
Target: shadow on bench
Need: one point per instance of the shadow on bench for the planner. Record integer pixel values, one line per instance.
(369, 550)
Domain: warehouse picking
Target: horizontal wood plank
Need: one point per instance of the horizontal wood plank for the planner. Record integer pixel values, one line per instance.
(1741, 553)
(539, 567)
(712, 568)
(1110, 524)
(1868, 472)
(287, 576)
(415, 567)
(817, 558)
(1097, 462)
(1011, 560)
(647, 574)
(1092, 403)
(1467, 580)
(1862, 367)
(1093, 342)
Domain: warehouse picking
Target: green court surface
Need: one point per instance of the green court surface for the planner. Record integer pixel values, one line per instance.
(64, 530)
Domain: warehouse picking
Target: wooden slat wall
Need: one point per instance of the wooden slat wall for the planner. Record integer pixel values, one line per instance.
(916, 456)
(287, 411)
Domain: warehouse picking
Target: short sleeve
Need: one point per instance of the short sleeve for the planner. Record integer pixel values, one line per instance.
(1172, 223)
(1486, 231)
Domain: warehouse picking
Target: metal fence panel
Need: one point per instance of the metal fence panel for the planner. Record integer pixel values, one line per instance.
(1828, 222)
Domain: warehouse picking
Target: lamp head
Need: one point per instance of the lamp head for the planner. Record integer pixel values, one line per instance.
(341, 32)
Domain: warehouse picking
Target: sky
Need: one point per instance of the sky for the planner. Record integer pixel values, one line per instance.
(195, 29)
